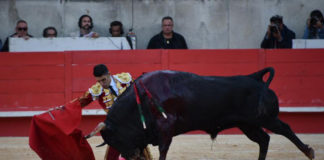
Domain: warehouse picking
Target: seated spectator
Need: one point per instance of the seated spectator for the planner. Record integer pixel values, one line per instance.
(116, 30)
(49, 32)
(278, 35)
(85, 24)
(314, 27)
(21, 32)
(167, 38)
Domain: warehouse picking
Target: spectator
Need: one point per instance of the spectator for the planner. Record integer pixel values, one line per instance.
(85, 24)
(314, 27)
(116, 30)
(21, 32)
(49, 32)
(167, 38)
(0, 44)
(278, 35)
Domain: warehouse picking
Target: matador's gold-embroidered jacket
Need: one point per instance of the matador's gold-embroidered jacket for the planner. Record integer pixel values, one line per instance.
(104, 96)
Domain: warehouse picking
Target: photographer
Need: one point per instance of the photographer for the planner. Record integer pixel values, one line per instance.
(314, 28)
(278, 35)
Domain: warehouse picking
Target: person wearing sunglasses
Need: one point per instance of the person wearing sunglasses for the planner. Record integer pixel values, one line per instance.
(21, 32)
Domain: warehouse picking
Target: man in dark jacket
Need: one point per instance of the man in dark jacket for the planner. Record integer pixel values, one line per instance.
(167, 38)
(278, 35)
(21, 32)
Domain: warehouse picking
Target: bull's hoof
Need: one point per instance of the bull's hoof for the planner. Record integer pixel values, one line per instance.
(310, 153)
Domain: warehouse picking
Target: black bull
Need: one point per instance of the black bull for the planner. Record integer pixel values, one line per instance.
(192, 102)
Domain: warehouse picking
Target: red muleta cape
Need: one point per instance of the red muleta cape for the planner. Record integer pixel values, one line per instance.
(59, 138)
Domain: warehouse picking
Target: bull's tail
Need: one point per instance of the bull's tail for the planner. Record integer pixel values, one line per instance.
(259, 75)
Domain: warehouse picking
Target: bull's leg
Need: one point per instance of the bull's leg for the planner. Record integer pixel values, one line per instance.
(164, 147)
(259, 136)
(279, 127)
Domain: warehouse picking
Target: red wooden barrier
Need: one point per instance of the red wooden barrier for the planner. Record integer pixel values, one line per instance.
(38, 81)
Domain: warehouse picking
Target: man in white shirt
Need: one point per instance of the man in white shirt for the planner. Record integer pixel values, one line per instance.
(85, 24)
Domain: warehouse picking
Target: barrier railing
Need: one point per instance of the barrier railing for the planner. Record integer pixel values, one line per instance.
(30, 83)
(34, 82)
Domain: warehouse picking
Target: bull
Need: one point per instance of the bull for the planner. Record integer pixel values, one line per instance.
(192, 102)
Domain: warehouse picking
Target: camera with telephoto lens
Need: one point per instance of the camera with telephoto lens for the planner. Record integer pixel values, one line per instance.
(276, 21)
(313, 21)
(274, 28)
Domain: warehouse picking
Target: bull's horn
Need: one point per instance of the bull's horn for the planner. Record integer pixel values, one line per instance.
(99, 127)
(102, 144)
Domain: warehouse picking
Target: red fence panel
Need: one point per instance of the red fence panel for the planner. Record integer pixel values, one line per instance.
(31, 81)
(38, 81)
(214, 62)
(299, 72)
(299, 76)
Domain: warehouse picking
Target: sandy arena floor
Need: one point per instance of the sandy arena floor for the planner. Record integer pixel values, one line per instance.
(192, 147)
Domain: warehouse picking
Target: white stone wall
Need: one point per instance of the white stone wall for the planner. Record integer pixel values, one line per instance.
(206, 24)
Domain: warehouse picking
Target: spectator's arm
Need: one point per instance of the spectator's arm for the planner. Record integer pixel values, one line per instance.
(266, 42)
(184, 44)
(287, 40)
(321, 33)
(150, 44)
(306, 33)
(5, 47)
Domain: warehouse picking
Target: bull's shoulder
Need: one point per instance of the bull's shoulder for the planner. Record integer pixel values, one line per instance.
(123, 78)
(96, 90)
